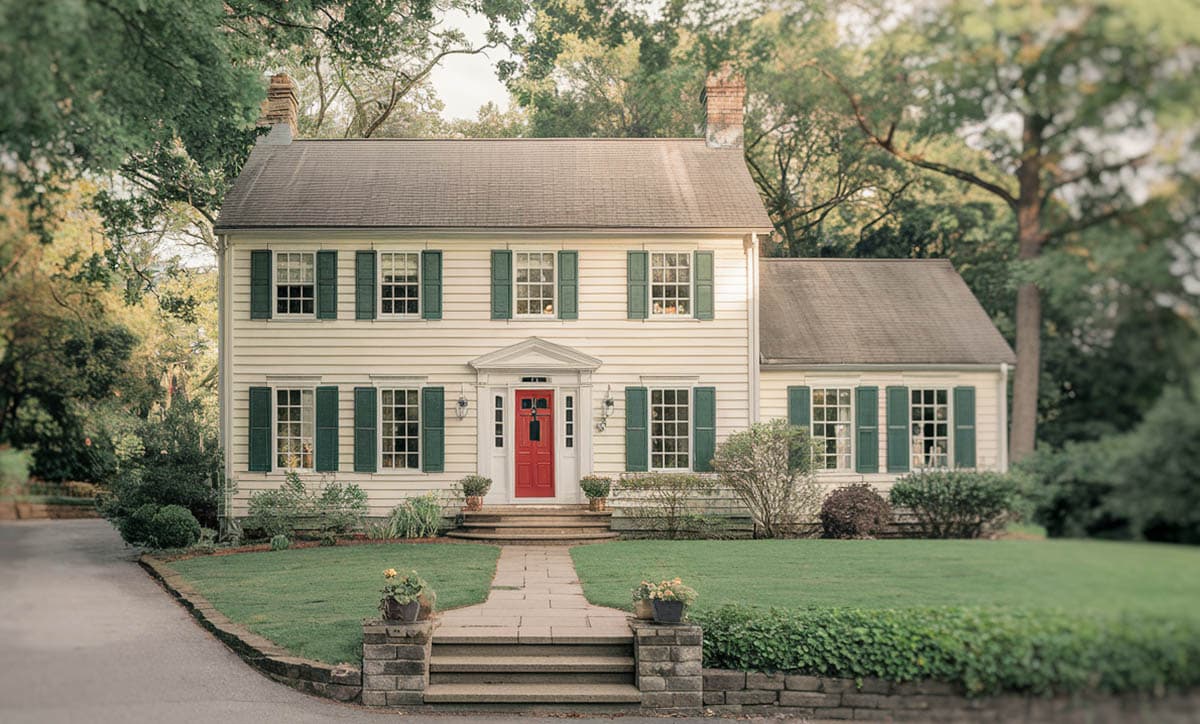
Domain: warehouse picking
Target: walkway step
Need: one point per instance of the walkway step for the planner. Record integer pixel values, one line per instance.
(467, 636)
(556, 663)
(530, 693)
(518, 536)
(579, 678)
(552, 654)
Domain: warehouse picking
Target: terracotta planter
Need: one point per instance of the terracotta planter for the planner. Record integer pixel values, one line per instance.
(598, 505)
(474, 502)
(668, 611)
(642, 609)
(402, 612)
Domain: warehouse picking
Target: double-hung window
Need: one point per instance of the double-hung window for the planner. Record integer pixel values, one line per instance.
(399, 284)
(294, 414)
(670, 429)
(671, 284)
(295, 283)
(929, 417)
(831, 415)
(534, 288)
(400, 429)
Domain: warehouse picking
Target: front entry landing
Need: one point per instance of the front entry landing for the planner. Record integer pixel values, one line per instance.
(534, 451)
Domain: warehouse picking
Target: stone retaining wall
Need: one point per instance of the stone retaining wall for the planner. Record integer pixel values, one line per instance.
(738, 692)
(396, 662)
(668, 659)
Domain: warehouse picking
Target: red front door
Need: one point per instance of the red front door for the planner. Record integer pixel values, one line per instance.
(535, 443)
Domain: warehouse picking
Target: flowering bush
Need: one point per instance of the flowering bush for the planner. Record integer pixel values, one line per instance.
(672, 590)
(403, 589)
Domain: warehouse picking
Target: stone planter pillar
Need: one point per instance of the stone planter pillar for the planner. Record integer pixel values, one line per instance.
(668, 660)
(395, 662)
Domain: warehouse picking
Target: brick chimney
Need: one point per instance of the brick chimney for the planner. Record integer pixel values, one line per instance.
(282, 104)
(724, 99)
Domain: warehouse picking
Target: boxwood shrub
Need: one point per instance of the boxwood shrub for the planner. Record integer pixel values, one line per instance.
(958, 503)
(985, 651)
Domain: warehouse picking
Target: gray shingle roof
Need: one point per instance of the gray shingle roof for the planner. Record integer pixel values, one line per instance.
(565, 184)
(873, 311)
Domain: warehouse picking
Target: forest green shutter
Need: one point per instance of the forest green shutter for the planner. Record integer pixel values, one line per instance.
(366, 438)
(260, 430)
(704, 285)
(433, 430)
(799, 406)
(327, 285)
(637, 439)
(260, 284)
(866, 421)
(568, 285)
(327, 430)
(964, 427)
(637, 273)
(704, 432)
(364, 285)
(897, 429)
(431, 285)
(501, 284)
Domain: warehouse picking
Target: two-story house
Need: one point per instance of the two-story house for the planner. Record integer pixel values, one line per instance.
(401, 313)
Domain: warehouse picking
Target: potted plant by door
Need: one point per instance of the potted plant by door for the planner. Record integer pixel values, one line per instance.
(402, 596)
(473, 488)
(643, 608)
(670, 600)
(596, 488)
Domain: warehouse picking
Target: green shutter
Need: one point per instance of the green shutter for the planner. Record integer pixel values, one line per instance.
(897, 429)
(366, 438)
(637, 275)
(704, 431)
(637, 438)
(364, 285)
(704, 284)
(260, 430)
(568, 285)
(501, 284)
(964, 427)
(431, 285)
(866, 421)
(327, 430)
(327, 285)
(799, 406)
(260, 284)
(433, 430)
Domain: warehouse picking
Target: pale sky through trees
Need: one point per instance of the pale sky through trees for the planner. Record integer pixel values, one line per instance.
(466, 82)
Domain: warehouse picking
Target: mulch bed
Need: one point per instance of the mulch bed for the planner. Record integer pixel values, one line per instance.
(356, 540)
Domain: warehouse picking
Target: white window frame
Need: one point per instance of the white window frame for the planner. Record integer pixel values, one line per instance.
(690, 257)
(275, 313)
(912, 437)
(553, 314)
(277, 438)
(691, 401)
(419, 389)
(379, 253)
(813, 422)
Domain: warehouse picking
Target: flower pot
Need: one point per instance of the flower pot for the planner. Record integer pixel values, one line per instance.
(643, 609)
(598, 505)
(393, 610)
(668, 611)
(474, 502)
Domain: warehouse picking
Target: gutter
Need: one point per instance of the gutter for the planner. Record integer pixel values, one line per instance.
(889, 367)
(361, 232)
(752, 330)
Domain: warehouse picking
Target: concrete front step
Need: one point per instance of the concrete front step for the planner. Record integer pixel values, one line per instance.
(578, 678)
(533, 693)
(534, 536)
(507, 510)
(553, 654)
(533, 521)
(523, 531)
(529, 663)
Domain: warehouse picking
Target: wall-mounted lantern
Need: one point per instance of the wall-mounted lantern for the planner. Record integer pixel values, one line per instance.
(607, 407)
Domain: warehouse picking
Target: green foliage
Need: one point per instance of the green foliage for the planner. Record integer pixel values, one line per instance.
(419, 517)
(854, 511)
(595, 486)
(959, 503)
(137, 528)
(474, 485)
(771, 467)
(273, 513)
(404, 589)
(338, 508)
(14, 470)
(329, 508)
(174, 526)
(985, 651)
(280, 542)
(667, 505)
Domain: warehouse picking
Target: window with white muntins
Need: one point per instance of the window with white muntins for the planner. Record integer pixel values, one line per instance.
(534, 288)
(831, 415)
(400, 429)
(399, 284)
(295, 283)
(930, 419)
(294, 429)
(671, 284)
(670, 429)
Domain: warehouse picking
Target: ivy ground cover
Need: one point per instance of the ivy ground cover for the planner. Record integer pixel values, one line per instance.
(311, 601)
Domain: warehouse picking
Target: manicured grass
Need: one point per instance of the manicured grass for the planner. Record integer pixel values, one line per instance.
(1063, 574)
(312, 601)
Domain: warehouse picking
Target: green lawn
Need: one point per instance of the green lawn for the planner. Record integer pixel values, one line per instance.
(1066, 574)
(312, 601)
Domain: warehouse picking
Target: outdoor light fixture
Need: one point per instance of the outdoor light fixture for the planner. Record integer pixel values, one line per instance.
(608, 406)
(460, 409)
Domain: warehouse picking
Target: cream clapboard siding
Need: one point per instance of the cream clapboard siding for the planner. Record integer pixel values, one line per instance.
(346, 351)
(989, 415)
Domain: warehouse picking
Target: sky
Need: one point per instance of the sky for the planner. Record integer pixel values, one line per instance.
(466, 82)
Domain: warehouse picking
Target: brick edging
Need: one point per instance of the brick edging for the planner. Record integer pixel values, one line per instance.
(342, 682)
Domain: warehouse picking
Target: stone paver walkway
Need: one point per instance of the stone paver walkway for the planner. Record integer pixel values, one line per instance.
(535, 599)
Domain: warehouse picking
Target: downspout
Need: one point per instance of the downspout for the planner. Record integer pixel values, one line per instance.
(224, 397)
(1002, 397)
(752, 340)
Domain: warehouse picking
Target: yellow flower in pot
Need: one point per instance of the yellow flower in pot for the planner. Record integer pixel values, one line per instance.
(402, 596)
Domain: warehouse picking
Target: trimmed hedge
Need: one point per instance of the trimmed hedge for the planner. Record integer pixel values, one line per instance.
(985, 651)
(958, 503)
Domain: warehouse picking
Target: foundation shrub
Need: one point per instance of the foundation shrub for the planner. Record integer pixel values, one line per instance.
(174, 526)
(668, 505)
(854, 511)
(959, 503)
(419, 517)
(329, 508)
(771, 467)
